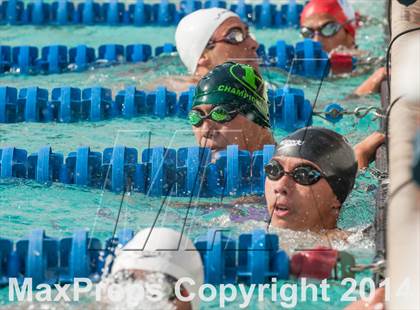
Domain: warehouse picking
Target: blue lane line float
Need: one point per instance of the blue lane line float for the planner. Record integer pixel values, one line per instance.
(14, 12)
(281, 55)
(167, 48)
(161, 102)
(219, 257)
(24, 58)
(140, 13)
(84, 167)
(311, 61)
(6, 247)
(111, 52)
(97, 104)
(62, 13)
(89, 12)
(185, 102)
(45, 166)
(5, 58)
(259, 259)
(13, 163)
(189, 6)
(289, 14)
(36, 105)
(190, 171)
(290, 110)
(53, 59)
(183, 172)
(163, 13)
(235, 165)
(245, 11)
(305, 59)
(132, 101)
(160, 165)
(118, 167)
(66, 103)
(9, 108)
(81, 57)
(138, 52)
(265, 14)
(251, 258)
(38, 12)
(79, 257)
(113, 12)
(38, 257)
(259, 159)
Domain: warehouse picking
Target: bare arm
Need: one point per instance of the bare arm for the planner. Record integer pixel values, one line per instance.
(372, 84)
(365, 150)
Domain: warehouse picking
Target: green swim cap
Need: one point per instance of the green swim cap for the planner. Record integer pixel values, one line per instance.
(236, 86)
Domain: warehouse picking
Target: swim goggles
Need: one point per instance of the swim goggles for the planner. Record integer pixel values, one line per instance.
(303, 174)
(219, 114)
(327, 30)
(235, 36)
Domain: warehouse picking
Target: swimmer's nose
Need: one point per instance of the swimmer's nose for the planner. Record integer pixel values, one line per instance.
(317, 37)
(253, 43)
(284, 186)
(207, 128)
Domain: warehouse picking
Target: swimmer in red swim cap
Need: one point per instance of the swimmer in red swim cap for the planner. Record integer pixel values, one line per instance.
(333, 23)
(330, 22)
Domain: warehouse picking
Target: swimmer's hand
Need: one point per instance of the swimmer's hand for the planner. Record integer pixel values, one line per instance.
(365, 151)
(372, 84)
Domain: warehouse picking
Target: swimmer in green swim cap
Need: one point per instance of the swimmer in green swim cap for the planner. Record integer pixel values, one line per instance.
(309, 178)
(230, 107)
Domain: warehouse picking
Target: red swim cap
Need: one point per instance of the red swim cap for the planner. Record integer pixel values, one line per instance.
(339, 9)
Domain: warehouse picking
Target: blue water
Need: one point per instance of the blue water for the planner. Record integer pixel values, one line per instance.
(60, 209)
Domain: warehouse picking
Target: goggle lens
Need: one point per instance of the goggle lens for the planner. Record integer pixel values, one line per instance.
(218, 114)
(303, 175)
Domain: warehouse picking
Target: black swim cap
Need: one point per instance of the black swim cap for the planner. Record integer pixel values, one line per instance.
(327, 149)
(236, 86)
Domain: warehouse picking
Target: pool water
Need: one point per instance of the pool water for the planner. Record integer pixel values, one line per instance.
(60, 209)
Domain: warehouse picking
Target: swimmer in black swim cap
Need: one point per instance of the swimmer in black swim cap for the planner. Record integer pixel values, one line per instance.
(309, 177)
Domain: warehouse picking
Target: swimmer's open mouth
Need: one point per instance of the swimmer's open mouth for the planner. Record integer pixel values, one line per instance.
(280, 210)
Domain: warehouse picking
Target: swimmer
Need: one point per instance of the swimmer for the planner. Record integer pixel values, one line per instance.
(333, 24)
(308, 179)
(154, 260)
(230, 107)
(207, 38)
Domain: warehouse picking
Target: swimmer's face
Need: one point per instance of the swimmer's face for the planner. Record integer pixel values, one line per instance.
(299, 207)
(244, 52)
(218, 136)
(341, 38)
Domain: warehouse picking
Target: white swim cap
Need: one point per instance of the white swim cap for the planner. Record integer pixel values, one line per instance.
(162, 254)
(194, 32)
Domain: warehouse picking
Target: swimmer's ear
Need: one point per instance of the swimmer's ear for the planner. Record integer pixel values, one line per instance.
(336, 205)
(204, 61)
(350, 43)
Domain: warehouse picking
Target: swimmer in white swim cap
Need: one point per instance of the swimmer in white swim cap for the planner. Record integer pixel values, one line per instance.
(154, 260)
(207, 38)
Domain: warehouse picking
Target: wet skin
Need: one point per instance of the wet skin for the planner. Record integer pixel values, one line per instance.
(244, 52)
(341, 38)
(240, 130)
(299, 207)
